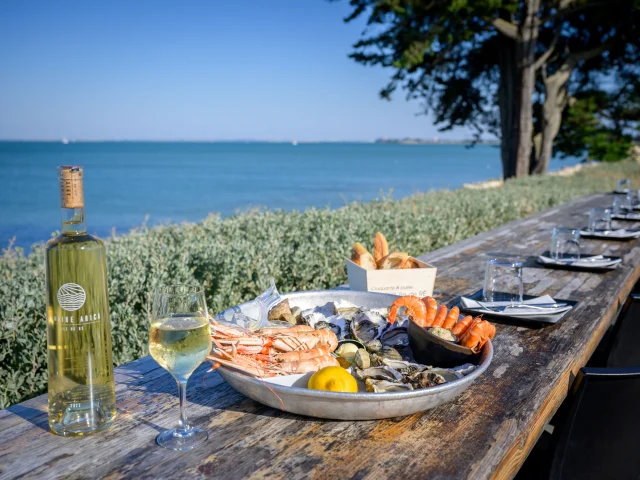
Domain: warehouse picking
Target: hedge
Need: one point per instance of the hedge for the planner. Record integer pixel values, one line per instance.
(234, 257)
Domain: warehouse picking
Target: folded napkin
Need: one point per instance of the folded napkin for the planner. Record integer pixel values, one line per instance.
(620, 233)
(627, 216)
(471, 304)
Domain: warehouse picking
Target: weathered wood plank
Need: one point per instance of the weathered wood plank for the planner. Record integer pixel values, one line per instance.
(486, 432)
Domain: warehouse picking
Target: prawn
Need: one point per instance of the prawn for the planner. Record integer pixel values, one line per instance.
(462, 326)
(452, 318)
(432, 308)
(477, 335)
(440, 316)
(414, 307)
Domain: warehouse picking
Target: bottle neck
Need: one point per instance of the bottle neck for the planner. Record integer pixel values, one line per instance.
(73, 222)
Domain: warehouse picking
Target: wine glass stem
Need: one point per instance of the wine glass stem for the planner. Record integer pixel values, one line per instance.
(183, 423)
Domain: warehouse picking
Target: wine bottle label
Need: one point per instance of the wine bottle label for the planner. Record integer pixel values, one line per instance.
(71, 187)
(71, 297)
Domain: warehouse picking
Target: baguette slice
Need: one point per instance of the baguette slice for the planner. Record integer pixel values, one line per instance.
(412, 263)
(394, 260)
(380, 247)
(362, 257)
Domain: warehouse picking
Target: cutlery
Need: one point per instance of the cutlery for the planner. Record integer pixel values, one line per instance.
(538, 306)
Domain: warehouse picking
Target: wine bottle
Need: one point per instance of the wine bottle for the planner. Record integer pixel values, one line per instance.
(81, 386)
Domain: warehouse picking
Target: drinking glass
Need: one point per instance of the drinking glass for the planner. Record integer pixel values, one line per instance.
(565, 242)
(599, 219)
(624, 184)
(180, 340)
(621, 205)
(503, 281)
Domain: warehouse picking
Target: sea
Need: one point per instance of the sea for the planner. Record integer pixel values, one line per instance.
(131, 183)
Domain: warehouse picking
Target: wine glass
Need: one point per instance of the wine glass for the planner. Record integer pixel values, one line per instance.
(180, 340)
(503, 281)
(564, 242)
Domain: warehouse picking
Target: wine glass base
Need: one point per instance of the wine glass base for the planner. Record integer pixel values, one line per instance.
(181, 439)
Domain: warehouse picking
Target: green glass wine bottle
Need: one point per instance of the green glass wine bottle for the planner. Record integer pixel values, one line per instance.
(81, 386)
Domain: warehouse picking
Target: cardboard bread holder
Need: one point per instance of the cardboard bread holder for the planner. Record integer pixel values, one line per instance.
(411, 281)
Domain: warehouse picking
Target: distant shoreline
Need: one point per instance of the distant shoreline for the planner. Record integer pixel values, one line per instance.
(279, 142)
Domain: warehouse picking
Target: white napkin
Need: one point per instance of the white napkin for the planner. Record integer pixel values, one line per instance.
(593, 261)
(620, 233)
(470, 304)
(628, 216)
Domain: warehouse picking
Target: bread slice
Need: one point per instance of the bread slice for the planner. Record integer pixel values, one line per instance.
(380, 247)
(412, 263)
(362, 257)
(394, 260)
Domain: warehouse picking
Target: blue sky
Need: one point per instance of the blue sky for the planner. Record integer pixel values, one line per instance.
(195, 70)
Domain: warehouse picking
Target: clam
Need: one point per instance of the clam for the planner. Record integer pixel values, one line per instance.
(395, 337)
(382, 386)
(367, 326)
(379, 373)
(362, 359)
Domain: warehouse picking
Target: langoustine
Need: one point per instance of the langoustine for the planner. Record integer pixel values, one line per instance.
(272, 351)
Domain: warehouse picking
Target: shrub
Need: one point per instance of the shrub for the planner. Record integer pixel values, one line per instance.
(234, 258)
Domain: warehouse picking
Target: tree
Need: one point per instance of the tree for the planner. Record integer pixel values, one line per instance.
(478, 62)
(586, 40)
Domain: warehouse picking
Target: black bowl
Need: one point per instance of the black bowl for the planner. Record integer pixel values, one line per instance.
(429, 349)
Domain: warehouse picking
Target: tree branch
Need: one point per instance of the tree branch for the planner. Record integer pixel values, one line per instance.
(506, 28)
(545, 56)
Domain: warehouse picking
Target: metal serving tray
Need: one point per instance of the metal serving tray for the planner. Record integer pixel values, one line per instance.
(350, 406)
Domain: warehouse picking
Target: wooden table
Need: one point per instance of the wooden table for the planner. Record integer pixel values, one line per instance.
(486, 432)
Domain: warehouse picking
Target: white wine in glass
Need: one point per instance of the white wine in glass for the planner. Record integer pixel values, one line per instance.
(180, 340)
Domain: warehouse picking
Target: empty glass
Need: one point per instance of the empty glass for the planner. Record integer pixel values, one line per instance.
(599, 219)
(624, 185)
(565, 242)
(180, 340)
(621, 204)
(503, 281)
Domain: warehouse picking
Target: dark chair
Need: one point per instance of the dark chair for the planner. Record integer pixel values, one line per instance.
(623, 350)
(600, 436)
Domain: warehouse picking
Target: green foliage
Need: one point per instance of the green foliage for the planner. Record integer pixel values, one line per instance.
(590, 129)
(234, 258)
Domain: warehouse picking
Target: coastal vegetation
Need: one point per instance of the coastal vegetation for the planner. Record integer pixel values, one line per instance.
(514, 69)
(234, 258)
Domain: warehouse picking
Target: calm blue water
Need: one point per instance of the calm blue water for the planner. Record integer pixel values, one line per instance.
(125, 182)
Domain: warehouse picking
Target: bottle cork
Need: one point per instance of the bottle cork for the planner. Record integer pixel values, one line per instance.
(71, 186)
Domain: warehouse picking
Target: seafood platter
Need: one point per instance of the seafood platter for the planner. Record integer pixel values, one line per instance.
(349, 355)
(389, 272)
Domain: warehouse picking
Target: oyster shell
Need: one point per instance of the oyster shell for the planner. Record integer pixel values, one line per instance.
(465, 369)
(367, 325)
(374, 346)
(395, 337)
(379, 373)
(345, 309)
(433, 377)
(381, 386)
(335, 323)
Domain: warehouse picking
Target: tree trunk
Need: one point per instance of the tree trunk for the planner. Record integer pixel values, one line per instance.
(554, 103)
(528, 33)
(515, 93)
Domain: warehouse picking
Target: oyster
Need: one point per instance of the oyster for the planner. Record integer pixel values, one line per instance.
(386, 352)
(367, 326)
(407, 368)
(374, 346)
(381, 386)
(379, 373)
(345, 309)
(433, 377)
(335, 323)
(395, 337)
